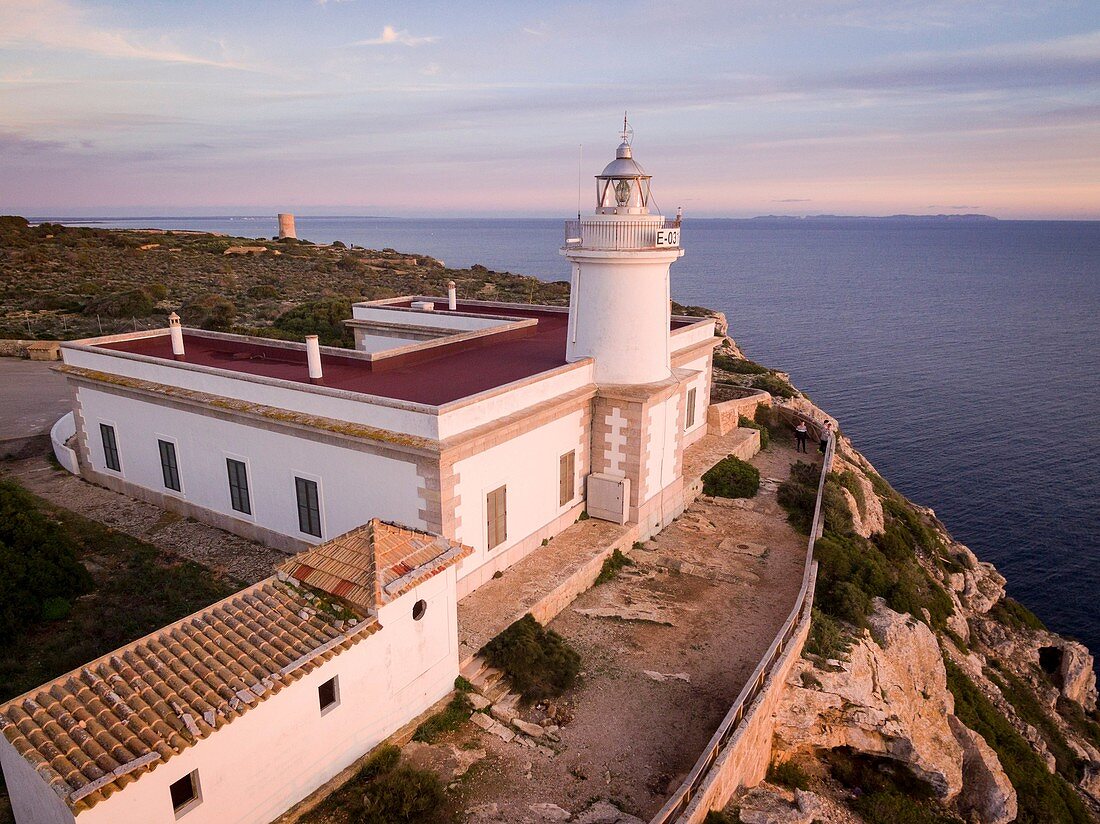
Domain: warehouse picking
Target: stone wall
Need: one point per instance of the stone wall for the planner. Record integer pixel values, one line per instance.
(722, 417)
(11, 348)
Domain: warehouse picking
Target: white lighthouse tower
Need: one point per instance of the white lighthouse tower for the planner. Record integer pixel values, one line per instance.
(619, 297)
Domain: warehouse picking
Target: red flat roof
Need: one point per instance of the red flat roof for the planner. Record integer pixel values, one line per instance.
(433, 376)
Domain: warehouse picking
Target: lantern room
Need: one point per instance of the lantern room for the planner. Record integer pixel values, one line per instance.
(622, 188)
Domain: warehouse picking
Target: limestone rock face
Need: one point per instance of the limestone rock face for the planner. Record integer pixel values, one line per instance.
(870, 521)
(767, 805)
(1077, 675)
(987, 793)
(889, 699)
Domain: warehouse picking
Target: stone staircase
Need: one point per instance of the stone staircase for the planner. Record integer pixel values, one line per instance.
(496, 708)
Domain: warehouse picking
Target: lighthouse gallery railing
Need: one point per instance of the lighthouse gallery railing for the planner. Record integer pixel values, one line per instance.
(622, 235)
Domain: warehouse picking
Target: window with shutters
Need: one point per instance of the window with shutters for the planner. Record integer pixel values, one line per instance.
(110, 447)
(690, 409)
(169, 468)
(567, 483)
(309, 507)
(238, 486)
(496, 511)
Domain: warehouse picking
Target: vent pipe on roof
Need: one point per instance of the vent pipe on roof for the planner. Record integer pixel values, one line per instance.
(313, 357)
(175, 331)
(452, 296)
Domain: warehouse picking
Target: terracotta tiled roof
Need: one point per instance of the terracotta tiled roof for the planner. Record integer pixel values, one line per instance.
(95, 730)
(373, 564)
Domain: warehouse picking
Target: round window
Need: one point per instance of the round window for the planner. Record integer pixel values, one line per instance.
(419, 608)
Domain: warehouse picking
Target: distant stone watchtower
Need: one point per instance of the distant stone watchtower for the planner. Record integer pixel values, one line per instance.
(286, 226)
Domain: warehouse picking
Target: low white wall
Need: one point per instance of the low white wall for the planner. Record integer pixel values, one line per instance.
(64, 429)
(353, 486)
(277, 753)
(398, 416)
(432, 319)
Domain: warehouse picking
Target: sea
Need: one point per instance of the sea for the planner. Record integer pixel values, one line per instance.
(962, 357)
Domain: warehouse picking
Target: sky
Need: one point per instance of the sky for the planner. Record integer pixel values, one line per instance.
(365, 107)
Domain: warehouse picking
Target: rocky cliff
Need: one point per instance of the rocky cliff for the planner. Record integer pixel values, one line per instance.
(924, 693)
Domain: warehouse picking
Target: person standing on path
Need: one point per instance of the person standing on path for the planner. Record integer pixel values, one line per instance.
(801, 432)
(826, 431)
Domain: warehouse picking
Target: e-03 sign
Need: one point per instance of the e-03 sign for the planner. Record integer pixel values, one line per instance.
(668, 237)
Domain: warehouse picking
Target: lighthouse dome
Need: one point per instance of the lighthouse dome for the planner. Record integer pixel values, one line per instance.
(624, 164)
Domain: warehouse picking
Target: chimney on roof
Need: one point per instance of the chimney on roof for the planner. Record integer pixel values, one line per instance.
(175, 331)
(452, 296)
(286, 226)
(313, 357)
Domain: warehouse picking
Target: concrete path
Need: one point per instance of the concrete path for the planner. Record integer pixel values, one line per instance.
(547, 580)
(32, 398)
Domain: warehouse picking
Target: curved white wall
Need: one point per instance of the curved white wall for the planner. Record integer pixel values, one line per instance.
(64, 429)
(619, 314)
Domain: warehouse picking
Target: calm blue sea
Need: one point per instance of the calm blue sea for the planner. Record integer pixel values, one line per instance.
(963, 359)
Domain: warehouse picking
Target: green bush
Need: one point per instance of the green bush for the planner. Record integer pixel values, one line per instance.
(323, 318)
(611, 566)
(214, 312)
(849, 481)
(1027, 707)
(40, 572)
(129, 303)
(798, 495)
(768, 417)
(788, 774)
(888, 793)
(749, 423)
(450, 718)
(721, 817)
(827, 637)
(738, 366)
(774, 385)
(1043, 798)
(731, 478)
(538, 661)
(1012, 613)
(402, 795)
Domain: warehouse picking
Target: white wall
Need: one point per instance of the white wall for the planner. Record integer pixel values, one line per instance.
(619, 314)
(398, 416)
(32, 800)
(260, 764)
(661, 457)
(702, 398)
(60, 432)
(381, 343)
(436, 320)
(687, 336)
(528, 465)
(353, 486)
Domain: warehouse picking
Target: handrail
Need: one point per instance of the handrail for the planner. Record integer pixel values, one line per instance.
(679, 801)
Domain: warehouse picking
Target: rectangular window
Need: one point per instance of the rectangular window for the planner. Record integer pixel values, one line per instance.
(690, 409)
(238, 486)
(567, 482)
(168, 466)
(309, 507)
(496, 509)
(185, 793)
(328, 695)
(110, 447)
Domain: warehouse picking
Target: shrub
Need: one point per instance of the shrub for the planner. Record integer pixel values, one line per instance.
(774, 385)
(849, 481)
(759, 427)
(798, 495)
(402, 795)
(1027, 707)
(731, 478)
(1012, 613)
(39, 569)
(788, 774)
(738, 366)
(323, 318)
(888, 793)
(210, 312)
(721, 817)
(768, 417)
(827, 637)
(450, 718)
(129, 303)
(384, 758)
(263, 291)
(611, 566)
(1043, 798)
(538, 661)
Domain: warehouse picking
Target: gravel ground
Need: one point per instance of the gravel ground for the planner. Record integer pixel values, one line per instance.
(664, 655)
(221, 551)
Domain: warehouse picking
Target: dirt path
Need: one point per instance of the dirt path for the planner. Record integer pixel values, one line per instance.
(665, 653)
(223, 552)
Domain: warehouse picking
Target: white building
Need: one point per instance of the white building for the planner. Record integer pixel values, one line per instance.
(493, 425)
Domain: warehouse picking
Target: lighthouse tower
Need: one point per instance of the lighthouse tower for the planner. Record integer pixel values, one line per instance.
(619, 298)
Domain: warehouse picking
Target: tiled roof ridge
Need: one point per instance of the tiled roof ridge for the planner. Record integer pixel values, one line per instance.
(139, 705)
